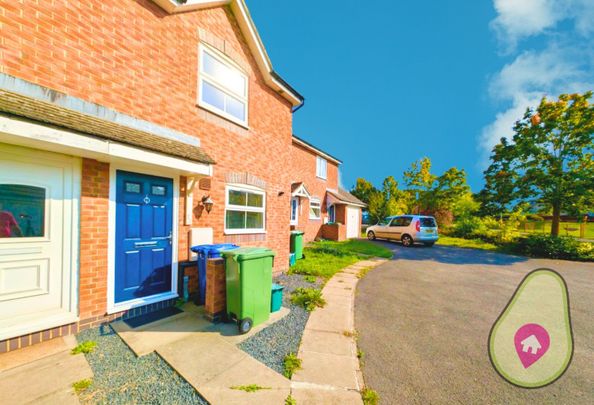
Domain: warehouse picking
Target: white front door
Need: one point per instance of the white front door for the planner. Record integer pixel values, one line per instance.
(38, 207)
(353, 222)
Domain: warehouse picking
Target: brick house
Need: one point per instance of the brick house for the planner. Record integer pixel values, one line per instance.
(319, 206)
(129, 131)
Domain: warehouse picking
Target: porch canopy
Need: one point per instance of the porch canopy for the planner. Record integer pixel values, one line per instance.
(86, 129)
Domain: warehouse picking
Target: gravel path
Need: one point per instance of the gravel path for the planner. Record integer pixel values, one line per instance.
(271, 345)
(122, 378)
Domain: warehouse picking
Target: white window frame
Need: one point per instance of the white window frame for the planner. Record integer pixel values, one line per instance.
(315, 201)
(321, 163)
(204, 77)
(231, 207)
(295, 220)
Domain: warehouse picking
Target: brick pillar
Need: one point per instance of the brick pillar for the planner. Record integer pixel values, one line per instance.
(215, 305)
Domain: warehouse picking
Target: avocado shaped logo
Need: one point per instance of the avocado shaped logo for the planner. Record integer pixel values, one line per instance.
(531, 343)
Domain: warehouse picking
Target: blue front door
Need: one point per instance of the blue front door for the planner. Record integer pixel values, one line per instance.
(144, 221)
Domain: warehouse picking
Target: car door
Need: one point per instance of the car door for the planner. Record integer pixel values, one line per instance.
(394, 230)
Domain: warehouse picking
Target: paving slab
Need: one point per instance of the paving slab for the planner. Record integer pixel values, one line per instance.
(317, 396)
(65, 396)
(332, 318)
(36, 352)
(328, 342)
(229, 331)
(41, 378)
(201, 357)
(237, 397)
(328, 369)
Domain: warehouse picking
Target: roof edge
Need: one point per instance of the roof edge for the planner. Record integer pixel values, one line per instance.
(249, 30)
(315, 149)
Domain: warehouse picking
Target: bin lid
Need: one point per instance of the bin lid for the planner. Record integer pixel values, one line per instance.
(277, 287)
(248, 253)
(296, 232)
(213, 247)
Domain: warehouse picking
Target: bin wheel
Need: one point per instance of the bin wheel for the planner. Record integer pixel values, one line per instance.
(245, 325)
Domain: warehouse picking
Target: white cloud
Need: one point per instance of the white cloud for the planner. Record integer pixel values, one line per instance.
(565, 64)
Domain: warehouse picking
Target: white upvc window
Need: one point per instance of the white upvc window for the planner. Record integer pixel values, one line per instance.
(223, 87)
(315, 209)
(321, 168)
(245, 210)
(294, 210)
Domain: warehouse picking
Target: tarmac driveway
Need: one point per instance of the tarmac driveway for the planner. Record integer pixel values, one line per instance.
(424, 320)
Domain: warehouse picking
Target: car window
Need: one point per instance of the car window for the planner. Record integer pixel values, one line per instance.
(384, 222)
(430, 222)
(406, 221)
(396, 222)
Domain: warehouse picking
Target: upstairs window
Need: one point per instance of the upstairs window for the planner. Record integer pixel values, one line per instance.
(223, 87)
(321, 168)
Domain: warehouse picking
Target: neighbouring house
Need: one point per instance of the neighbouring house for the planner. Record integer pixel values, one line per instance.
(129, 131)
(319, 206)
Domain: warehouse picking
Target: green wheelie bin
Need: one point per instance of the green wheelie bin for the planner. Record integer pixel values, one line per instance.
(249, 285)
(297, 244)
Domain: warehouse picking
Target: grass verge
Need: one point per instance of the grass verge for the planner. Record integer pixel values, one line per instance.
(467, 243)
(325, 258)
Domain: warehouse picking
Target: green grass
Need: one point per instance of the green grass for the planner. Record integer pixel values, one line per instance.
(369, 397)
(250, 388)
(82, 385)
(84, 347)
(467, 243)
(545, 228)
(291, 363)
(290, 400)
(325, 258)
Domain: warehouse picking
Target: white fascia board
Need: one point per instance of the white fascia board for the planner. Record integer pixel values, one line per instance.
(25, 133)
(317, 151)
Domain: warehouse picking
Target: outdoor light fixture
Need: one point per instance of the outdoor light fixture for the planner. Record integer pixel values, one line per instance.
(208, 203)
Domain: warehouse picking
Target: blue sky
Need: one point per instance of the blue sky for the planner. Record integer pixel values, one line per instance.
(390, 83)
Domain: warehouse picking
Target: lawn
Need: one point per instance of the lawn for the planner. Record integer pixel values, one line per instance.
(467, 243)
(325, 258)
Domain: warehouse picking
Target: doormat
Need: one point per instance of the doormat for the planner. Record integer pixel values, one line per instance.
(152, 317)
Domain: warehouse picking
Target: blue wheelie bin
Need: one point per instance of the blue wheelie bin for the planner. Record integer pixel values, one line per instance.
(204, 253)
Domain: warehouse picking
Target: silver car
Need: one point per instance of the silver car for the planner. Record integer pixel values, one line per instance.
(408, 229)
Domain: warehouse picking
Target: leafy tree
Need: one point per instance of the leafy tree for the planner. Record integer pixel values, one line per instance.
(497, 195)
(419, 181)
(550, 159)
(363, 190)
(466, 206)
(449, 188)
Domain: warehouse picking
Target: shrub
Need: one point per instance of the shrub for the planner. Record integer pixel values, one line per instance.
(560, 247)
(308, 298)
(291, 363)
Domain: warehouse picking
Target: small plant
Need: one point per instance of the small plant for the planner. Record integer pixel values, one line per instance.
(292, 363)
(360, 354)
(82, 385)
(290, 400)
(308, 298)
(369, 397)
(179, 302)
(310, 279)
(84, 347)
(351, 333)
(250, 388)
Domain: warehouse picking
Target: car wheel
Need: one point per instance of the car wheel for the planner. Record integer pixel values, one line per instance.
(245, 325)
(371, 235)
(429, 244)
(406, 241)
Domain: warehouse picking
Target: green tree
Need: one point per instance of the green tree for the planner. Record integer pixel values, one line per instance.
(448, 189)
(419, 181)
(385, 202)
(363, 190)
(550, 158)
(497, 196)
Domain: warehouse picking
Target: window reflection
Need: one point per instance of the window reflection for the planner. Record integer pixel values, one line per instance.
(22, 211)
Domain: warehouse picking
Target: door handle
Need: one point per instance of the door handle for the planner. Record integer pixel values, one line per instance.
(170, 237)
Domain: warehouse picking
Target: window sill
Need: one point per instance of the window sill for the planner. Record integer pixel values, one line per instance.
(222, 115)
(322, 178)
(315, 219)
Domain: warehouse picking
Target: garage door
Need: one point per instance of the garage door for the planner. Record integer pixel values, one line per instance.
(353, 228)
(37, 217)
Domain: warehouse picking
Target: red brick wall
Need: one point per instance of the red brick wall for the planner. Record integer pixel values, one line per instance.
(94, 205)
(303, 169)
(133, 57)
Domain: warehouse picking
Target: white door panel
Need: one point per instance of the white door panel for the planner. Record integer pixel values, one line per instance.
(36, 235)
(353, 228)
